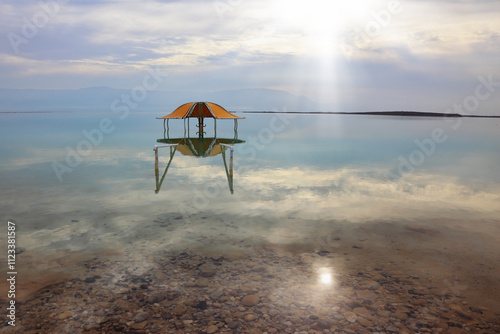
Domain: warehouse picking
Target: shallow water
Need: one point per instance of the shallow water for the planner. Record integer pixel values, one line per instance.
(416, 195)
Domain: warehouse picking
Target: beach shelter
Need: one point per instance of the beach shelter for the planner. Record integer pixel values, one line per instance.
(201, 110)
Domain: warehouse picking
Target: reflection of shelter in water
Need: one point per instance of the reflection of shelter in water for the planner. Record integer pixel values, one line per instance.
(197, 147)
(200, 147)
(200, 110)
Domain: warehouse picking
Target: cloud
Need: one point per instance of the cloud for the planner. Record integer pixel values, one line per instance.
(426, 47)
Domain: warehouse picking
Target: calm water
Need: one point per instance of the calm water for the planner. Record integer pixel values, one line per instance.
(325, 167)
(299, 181)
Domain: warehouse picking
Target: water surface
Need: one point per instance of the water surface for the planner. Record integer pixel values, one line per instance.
(420, 195)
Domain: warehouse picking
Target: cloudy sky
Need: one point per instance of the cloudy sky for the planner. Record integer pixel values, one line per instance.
(352, 55)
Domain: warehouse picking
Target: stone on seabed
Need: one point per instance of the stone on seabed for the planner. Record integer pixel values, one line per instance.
(250, 300)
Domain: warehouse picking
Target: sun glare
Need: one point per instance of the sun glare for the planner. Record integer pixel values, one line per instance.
(325, 276)
(319, 22)
(326, 279)
(316, 29)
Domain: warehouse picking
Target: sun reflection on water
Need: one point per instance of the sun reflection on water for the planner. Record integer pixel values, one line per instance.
(325, 276)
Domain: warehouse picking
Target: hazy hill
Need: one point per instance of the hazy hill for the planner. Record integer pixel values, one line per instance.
(101, 99)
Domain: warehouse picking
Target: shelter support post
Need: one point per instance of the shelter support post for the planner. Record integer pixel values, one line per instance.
(229, 171)
(235, 129)
(159, 182)
(201, 126)
(157, 170)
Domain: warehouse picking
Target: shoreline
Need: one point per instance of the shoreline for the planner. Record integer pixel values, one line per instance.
(371, 113)
(429, 114)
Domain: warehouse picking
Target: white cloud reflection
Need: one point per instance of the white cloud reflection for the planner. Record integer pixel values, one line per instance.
(281, 206)
(353, 194)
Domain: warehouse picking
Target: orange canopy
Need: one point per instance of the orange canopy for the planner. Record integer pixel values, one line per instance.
(201, 109)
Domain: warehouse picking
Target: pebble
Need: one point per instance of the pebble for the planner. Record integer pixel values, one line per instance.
(324, 324)
(350, 316)
(285, 300)
(250, 300)
(212, 329)
(260, 269)
(179, 310)
(89, 327)
(156, 298)
(216, 294)
(202, 305)
(366, 295)
(142, 316)
(202, 282)
(361, 311)
(64, 315)
(365, 322)
(91, 279)
(139, 325)
(400, 315)
(233, 324)
(370, 285)
(207, 271)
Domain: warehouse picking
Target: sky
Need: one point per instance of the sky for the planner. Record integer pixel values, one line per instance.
(348, 55)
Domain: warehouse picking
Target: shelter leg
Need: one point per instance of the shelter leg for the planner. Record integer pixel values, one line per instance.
(200, 127)
(235, 129)
(159, 182)
(157, 171)
(229, 171)
(231, 167)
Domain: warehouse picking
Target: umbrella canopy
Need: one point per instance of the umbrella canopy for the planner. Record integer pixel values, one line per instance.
(201, 109)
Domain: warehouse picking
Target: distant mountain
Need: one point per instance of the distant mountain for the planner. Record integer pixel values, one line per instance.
(101, 99)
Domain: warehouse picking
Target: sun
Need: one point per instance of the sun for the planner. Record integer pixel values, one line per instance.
(315, 31)
(318, 22)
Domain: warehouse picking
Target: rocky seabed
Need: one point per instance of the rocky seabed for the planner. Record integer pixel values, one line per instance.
(184, 292)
